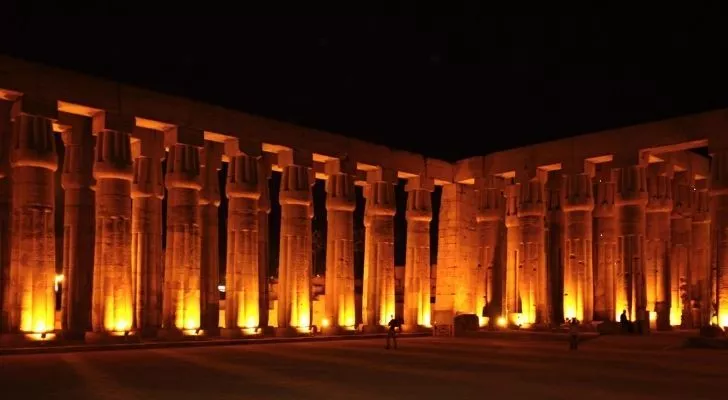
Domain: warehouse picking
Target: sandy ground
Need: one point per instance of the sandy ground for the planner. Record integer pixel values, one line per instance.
(422, 368)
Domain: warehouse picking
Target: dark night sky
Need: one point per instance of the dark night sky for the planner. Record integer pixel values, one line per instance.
(484, 83)
(506, 81)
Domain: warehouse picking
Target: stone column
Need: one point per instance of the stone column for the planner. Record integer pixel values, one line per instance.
(578, 204)
(294, 270)
(112, 300)
(605, 251)
(147, 192)
(533, 282)
(719, 202)
(340, 205)
(681, 280)
(29, 296)
(631, 200)
(417, 308)
(490, 272)
(554, 243)
(211, 163)
(700, 267)
(456, 256)
(264, 172)
(513, 257)
(5, 196)
(657, 251)
(242, 308)
(79, 223)
(378, 290)
(182, 274)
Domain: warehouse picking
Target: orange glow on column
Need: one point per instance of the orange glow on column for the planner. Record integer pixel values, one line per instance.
(675, 316)
(724, 319)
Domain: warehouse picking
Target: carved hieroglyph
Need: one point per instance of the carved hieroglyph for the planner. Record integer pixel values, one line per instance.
(340, 205)
(417, 310)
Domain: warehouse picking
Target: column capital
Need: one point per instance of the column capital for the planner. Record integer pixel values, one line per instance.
(211, 162)
(419, 198)
(631, 184)
(577, 191)
(297, 177)
(242, 177)
(659, 187)
(341, 195)
(512, 192)
(5, 138)
(491, 204)
(110, 121)
(147, 142)
(701, 202)
(683, 188)
(33, 144)
(183, 167)
(719, 172)
(379, 192)
(78, 158)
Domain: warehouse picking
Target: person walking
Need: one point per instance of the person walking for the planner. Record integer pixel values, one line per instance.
(391, 333)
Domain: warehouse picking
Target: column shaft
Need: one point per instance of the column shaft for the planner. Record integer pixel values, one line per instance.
(700, 266)
(242, 309)
(294, 271)
(29, 297)
(417, 308)
(378, 293)
(146, 227)
(79, 223)
(264, 172)
(719, 203)
(182, 303)
(5, 210)
(490, 277)
(631, 200)
(605, 252)
(533, 282)
(578, 204)
(555, 244)
(340, 205)
(513, 258)
(112, 288)
(657, 251)
(210, 252)
(682, 284)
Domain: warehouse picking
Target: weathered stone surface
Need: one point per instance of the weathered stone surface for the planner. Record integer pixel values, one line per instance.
(489, 279)
(417, 267)
(340, 205)
(533, 277)
(578, 203)
(631, 199)
(79, 223)
(294, 269)
(700, 268)
(112, 300)
(605, 246)
(5, 212)
(378, 285)
(29, 301)
(147, 260)
(182, 306)
(657, 238)
(242, 308)
(209, 254)
(719, 202)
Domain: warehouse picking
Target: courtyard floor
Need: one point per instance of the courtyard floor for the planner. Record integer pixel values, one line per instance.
(500, 367)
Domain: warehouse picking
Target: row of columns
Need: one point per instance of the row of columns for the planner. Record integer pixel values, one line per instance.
(116, 277)
(630, 237)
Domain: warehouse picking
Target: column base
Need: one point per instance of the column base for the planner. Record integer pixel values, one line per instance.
(416, 328)
(111, 337)
(28, 339)
(238, 333)
(290, 332)
(179, 334)
(373, 329)
(663, 317)
(338, 330)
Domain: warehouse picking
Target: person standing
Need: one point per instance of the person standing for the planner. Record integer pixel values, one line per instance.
(391, 333)
(573, 334)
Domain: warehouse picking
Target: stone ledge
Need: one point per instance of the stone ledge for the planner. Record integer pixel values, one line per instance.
(196, 343)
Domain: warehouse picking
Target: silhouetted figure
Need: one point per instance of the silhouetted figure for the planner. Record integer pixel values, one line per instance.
(573, 334)
(391, 334)
(624, 321)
